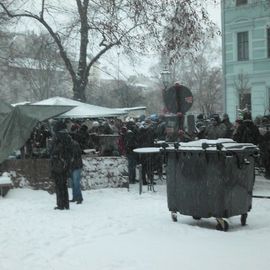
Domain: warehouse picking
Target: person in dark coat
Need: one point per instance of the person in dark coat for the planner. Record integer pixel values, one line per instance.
(83, 137)
(61, 155)
(247, 131)
(229, 126)
(121, 141)
(200, 126)
(76, 170)
(130, 142)
(264, 145)
(215, 129)
(42, 135)
(161, 128)
(146, 139)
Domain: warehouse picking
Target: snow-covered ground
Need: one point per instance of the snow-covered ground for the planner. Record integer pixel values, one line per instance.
(117, 229)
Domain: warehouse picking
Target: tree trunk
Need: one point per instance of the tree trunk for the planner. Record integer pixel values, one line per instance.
(79, 91)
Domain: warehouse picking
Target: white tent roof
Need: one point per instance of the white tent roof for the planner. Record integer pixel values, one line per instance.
(82, 110)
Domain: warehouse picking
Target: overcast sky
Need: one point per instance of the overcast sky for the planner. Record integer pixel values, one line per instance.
(110, 60)
(146, 62)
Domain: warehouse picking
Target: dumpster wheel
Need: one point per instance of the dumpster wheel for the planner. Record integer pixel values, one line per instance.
(244, 219)
(174, 216)
(222, 225)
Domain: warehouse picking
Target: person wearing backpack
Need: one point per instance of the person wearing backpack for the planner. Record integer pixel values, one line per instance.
(247, 131)
(60, 164)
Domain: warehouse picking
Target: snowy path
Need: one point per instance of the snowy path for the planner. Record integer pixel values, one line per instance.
(116, 229)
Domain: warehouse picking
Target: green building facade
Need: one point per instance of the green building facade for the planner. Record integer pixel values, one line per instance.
(246, 56)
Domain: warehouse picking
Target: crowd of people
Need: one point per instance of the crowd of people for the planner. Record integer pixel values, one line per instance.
(85, 132)
(67, 141)
(244, 130)
(147, 133)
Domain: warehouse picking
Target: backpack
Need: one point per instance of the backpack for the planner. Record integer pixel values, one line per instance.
(58, 162)
(58, 165)
(130, 141)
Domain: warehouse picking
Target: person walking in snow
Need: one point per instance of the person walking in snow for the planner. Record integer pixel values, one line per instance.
(61, 154)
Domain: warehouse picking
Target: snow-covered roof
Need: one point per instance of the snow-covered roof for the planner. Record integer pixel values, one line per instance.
(82, 110)
(20, 103)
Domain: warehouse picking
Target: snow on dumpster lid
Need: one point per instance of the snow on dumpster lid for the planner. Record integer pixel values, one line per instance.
(199, 143)
(147, 150)
(226, 144)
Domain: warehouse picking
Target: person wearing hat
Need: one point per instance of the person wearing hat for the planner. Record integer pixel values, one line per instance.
(60, 164)
(200, 126)
(216, 129)
(247, 131)
(229, 126)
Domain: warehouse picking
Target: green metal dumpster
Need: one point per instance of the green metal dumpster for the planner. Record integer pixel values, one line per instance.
(211, 178)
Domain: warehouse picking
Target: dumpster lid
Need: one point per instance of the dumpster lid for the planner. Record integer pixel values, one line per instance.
(199, 143)
(223, 144)
(147, 150)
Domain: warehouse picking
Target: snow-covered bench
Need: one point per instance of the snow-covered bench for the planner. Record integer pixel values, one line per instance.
(5, 184)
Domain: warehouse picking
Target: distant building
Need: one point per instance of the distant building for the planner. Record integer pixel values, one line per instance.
(246, 55)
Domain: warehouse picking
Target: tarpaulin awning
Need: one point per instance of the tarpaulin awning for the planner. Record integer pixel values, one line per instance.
(18, 124)
(4, 109)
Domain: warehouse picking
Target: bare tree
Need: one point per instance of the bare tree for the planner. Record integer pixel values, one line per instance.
(134, 25)
(242, 85)
(201, 72)
(31, 67)
(48, 75)
(209, 98)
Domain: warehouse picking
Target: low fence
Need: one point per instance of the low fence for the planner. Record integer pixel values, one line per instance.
(98, 172)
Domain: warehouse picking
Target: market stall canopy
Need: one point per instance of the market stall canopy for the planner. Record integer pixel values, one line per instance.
(81, 110)
(18, 124)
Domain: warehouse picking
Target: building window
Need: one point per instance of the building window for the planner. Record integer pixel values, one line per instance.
(268, 42)
(245, 101)
(242, 46)
(241, 2)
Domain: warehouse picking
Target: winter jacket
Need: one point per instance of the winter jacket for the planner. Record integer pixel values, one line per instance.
(130, 141)
(61, 150)
(214, 132)
(76, 161)
(146, 137)
(229, 128)
(247, 132)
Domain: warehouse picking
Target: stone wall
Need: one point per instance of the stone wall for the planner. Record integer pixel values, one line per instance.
(98, 172)
(101, 172)
(29, 172)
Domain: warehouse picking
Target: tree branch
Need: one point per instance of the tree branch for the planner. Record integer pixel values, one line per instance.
(53, 34)
(42, 9)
